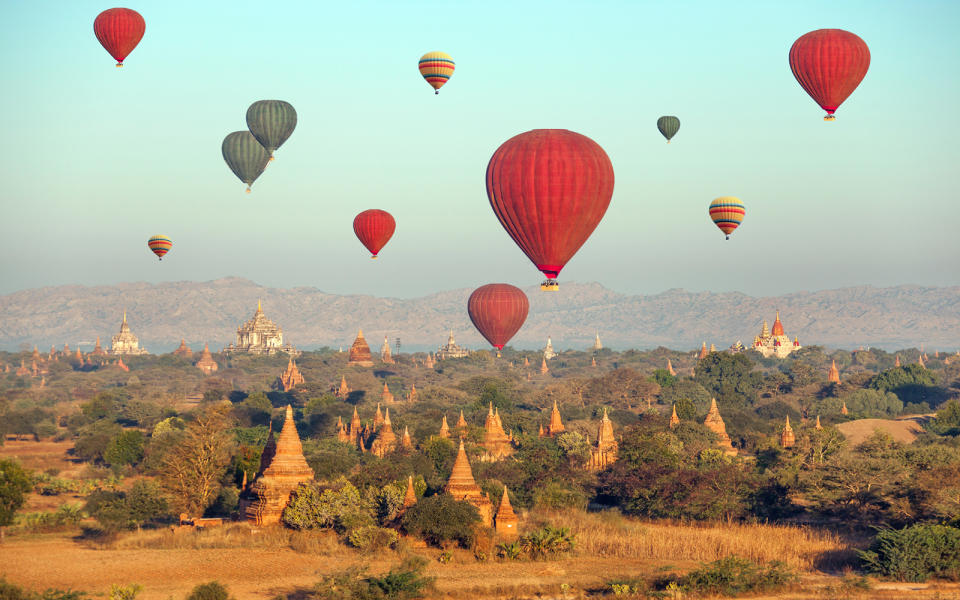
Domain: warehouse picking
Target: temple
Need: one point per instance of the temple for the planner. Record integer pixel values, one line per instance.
(497, 445)
(605, 452)
(674, 419)
(451, 349)
(544, 369)
(206, 362)
(703, 352)
(444, 429)
(787, 437)
(360, 352)
(282, 470)
(597, 346)
(386, 440)
(548, 352)
(555, 427)
(385, 355)
(670, 368)
(290, 378)
(429, 362)
(833, 375)
(260, 335)
(410, 497)
(506, 522)
(387, 395)
(714, 422)
(343, 390)
(97, 349)
(122, 343)
(463, 487)
(774, 342)
(412, 396)
(182, 350)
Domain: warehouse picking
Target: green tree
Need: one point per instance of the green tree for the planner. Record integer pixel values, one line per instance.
(439, 519)
(729, 377)
(192, 469)
(126, 448)
(212, 590)
(15, 483)
(947, 421)
(575, 447)
(911, 383)
(341, 507)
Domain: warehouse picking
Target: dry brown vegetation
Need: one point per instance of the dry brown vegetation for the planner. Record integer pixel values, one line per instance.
(903, 430)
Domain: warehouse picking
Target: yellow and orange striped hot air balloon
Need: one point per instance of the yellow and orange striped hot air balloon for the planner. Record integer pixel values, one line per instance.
(436, 68)
(727, 213)
(160, 245)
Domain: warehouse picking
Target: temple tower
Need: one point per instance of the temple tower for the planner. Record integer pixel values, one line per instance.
(206, 362)
(787, 437)
(444, 429)
(703, 352)
(385, 355)
(506, 522)
(496, 444)
(670, 368)
(386, 440)
(290, 378)
(833, 375)
(360, 352)
(386, 395)
(182, 350)
(462, 486)
(714, 422)
(674, 419)
(555, 427)
(605, 452)
(410, 497)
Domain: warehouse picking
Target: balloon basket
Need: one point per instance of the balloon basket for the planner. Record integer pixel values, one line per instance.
(436, 92)
(248, 190)
(549, 286)
(374, 257)
(829, 118)
(728, 237)
(119, 65)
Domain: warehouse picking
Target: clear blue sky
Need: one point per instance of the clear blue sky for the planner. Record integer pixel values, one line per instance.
(96, 159)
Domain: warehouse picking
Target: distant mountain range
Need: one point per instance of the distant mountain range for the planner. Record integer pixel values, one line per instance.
(162, 314)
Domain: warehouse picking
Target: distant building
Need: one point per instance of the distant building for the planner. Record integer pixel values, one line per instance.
(290, 378)
(497, 444)
(774, 343)
(548, 352)
(124, 342)
(597, 346)
(206, 362)
(183, 350)
(462, 486)
(360, 352)
(555, 427)
(451, 349)
(385, 355)
(833, 375)
(787, 437)
(714, 422)
(260, 335)
(605, 452)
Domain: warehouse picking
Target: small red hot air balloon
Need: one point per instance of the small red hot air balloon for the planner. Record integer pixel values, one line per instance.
(374, 228)
(829, 64)
(119, 31)
(498, 310)
(550, 188)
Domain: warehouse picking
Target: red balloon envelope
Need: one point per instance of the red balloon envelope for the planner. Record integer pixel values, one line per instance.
(829, 64)
(498, 310)
(119, 30)
(550, 188)
(374, 228)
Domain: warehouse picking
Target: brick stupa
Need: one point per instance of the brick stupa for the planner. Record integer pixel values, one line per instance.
(410, 497)
(344, 390)
(787, 437)
(206, 362)
(833, 375)
(674, 419)
(463, 487)
(387, 395)
(496, 443)
(291, 377)
(506, 523)
(182, 350)
(605, 452)
(444, 429)
(268, 495)
(386, 440)
(555, 427)
(360, 352)
(714, 423)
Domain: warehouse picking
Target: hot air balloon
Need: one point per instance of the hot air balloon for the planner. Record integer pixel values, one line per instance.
(119, 31)
(245, 156)
(160, 245)
(829, 64)
(727, 213)
(549, 188)
(668, 126)
(436, 68)
(374, 228)
(498, 310)
(271, 122)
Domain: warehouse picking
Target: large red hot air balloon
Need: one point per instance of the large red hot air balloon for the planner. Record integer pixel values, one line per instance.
(119, 30)
(549, 188)
(498, 310)
(829, 64)
(374, 228)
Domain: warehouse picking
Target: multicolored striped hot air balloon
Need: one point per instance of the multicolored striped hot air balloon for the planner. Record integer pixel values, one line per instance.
(159, 245)
(498, 311)
(829, 64)
(436, 68)
(668, 126)
(727, 213)
(119, 31)
(271, 122)
(245, 156)
(374, 228)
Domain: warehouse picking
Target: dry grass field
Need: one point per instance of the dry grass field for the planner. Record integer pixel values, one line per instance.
(903, 430)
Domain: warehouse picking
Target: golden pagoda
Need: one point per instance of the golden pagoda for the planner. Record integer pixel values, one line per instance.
(344, 390)
(377, 418)
(833, 375)
(496, 443)
(206, 362)
(410, 497)
(387, 395)
(356, 433)
(703, 351)
(405, 440)
(386, 440)
(360, 352)
(506, 522)
(787, 437)
(544, 369)
(385, 355)
(444, 429)
(714, 423)
(555, 426)
(605, 452)
(290, 378)
(268, 495)
(122, 343)
(674, 419)
(463, 487)
(182, 349)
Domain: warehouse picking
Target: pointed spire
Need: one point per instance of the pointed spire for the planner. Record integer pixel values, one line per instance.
(378, 417)
(896, 363)
(674, 419)
(670, 368)
(444, 428)
(462, 475)
(843, 409)
(544, 369)
(833, 375)
(410, 498)
(787, 437)
(777, 326)
(817, 425)
(405, 441)
(593, 361)
(386, 418)
(555, 426)
(461, 422)
(919, 362)
(506, 521)
(259, 306)
(703, 351)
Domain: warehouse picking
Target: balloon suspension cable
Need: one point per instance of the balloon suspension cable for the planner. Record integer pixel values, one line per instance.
(668, 141)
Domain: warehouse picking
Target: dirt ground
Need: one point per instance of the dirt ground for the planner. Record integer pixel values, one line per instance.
(903, 429)
(58, 561)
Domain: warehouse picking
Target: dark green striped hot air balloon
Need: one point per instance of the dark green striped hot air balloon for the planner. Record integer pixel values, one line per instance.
(271, 122)
(668, 126)
(245, 156)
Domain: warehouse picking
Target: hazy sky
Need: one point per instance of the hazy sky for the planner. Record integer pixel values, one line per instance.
(96, 159)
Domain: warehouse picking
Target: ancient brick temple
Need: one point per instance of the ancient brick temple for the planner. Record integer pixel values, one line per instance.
(122, 343)
(290, 378)
(462, 486)
(282, 470)
(344, 390)
(774, 342)
(674, 419)
(182, 350)
(385, 355)
(787, 437)
(444, 429)
(714, 423)
(387, 395)
(555, 427)
(360, 352)
(260, 335)
(386, 440)
(450, 350)
(97, 349)
(497, 445)
(206, 362)
(605, 452)
(506, 522)
(833, 375)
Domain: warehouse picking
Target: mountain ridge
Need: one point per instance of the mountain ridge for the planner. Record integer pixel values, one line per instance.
(163, 313)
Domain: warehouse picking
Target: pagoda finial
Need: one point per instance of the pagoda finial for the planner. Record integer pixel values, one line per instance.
(259, 306)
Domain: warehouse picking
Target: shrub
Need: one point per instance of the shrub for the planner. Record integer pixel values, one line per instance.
(65, 517)
(440, 519)
(731, 576)
(548, 542)
(557, 496)
(371, 538)
(915, 553)
(341, 507)
(125, 592)
(213, 590)
(404, 582)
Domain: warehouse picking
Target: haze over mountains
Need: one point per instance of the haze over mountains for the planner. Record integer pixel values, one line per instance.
(162, 314)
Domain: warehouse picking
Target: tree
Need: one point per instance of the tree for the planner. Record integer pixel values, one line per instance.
(126, 448)
(191, 469)
(340, 507)
(911, 383)
(440, 519)
(15, 483)
(729, 377)
(947, 421)
(575, 447)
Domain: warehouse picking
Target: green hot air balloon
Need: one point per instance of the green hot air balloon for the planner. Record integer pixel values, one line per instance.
(668, 126)
(245, 156)
(271, 122)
